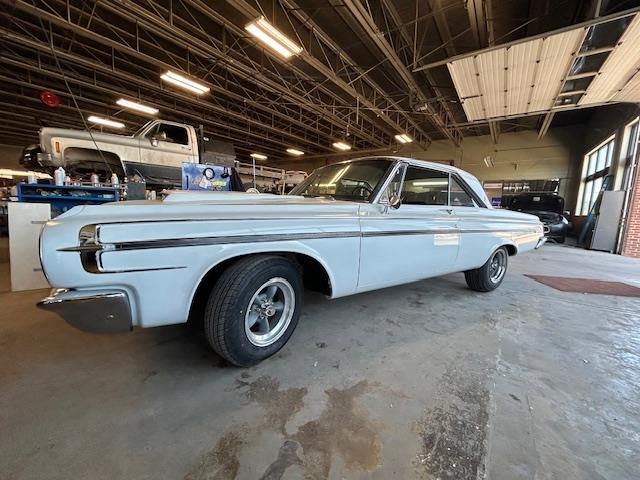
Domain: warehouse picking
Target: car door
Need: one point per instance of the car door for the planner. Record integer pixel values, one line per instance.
(419, 239)
(167, 144)
(480, 232)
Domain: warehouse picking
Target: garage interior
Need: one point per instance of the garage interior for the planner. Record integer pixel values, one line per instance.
(536, 98)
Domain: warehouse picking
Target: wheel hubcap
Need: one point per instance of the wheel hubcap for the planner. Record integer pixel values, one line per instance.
(269, 312)
(498, 266)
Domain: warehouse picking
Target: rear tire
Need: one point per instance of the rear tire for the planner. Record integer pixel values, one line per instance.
(253, 309)
(489, 276)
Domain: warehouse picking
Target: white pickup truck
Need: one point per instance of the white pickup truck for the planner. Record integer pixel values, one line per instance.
(156, 151)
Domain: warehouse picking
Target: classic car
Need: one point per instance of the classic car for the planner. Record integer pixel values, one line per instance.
(238, 262)
(548, 207)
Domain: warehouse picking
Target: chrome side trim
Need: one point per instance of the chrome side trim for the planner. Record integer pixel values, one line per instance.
(277, 237)
(337, 217)
(393, 233)
(99, 311)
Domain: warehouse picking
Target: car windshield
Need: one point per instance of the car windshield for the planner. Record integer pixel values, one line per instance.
(354, 181)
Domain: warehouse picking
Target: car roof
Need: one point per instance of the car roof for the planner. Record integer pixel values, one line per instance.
(469, 179)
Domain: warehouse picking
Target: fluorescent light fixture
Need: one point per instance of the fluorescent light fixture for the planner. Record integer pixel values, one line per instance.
(105, 122)
(258, 156)
(183, 82)
(137, 106)
(341, 146)
(404, 138)
(9, 173)
(295, 152)
(273, 38)
(430, 183)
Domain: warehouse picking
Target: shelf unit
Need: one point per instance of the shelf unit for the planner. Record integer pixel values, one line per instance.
(64, 197)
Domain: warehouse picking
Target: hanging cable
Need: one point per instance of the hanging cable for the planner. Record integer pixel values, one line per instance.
(73, 97)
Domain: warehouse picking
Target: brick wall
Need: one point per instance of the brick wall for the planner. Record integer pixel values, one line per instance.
(631, 242)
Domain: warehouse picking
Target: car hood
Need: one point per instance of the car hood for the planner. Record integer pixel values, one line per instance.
(545, 216)
(244, 198)
(212, 206)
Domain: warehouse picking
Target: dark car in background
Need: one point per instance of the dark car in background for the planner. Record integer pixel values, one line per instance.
(548, 207)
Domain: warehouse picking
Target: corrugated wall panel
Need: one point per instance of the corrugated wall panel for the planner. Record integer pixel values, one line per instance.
(521, 64)
(490, 91)
(464, 75)
(620, 66)
(492, 80)
(630, 92)
(555, 60)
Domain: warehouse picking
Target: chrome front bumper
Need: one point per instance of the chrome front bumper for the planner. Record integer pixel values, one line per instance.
(541, 242)
(99, 311)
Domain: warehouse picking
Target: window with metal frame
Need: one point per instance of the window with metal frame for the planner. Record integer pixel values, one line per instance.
(627, 153)
(594, 169)
(422, 186)
(458, 195)
(425, 187)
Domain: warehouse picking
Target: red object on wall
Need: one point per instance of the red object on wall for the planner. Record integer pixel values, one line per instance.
(631, 241)
(49, 98)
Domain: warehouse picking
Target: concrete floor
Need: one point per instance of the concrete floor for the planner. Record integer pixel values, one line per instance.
(429, 380)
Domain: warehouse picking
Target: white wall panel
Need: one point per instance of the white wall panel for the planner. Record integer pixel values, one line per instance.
(556, 55)
(464, 75)
(618, 68)
(519, 79)
(630, 92)
(492, 80)
(521, 68)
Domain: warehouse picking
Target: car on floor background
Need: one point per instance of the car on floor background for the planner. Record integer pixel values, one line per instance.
(548, 207)
(239, 261)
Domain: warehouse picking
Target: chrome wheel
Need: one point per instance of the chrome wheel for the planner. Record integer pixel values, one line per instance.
(498, 266)
(269, 312)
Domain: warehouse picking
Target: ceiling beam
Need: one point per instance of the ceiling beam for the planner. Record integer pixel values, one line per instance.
(362, 75)
(494, 130)
(364, 19)
(478, 22)
(320, 114)
(585, 24)
(546, 123)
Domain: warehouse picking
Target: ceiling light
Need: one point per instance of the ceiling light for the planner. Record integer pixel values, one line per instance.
(273, 38)
(404, 138)
(430, 183)
(295, 152)
(9, 173)
(258, 156)
(341, 146)
(137, 106)
(105, 122)
(184, 82)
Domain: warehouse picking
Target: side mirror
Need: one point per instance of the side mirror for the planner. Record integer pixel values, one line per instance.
(395, 201)
(154, 141)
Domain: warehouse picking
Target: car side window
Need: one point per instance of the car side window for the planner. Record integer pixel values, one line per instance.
(459, 197)
(173, 134)
(394, 185)
(425, 187)
(152, 132)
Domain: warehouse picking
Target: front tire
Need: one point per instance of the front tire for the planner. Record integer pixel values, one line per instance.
(489, 276)
(253, 309)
